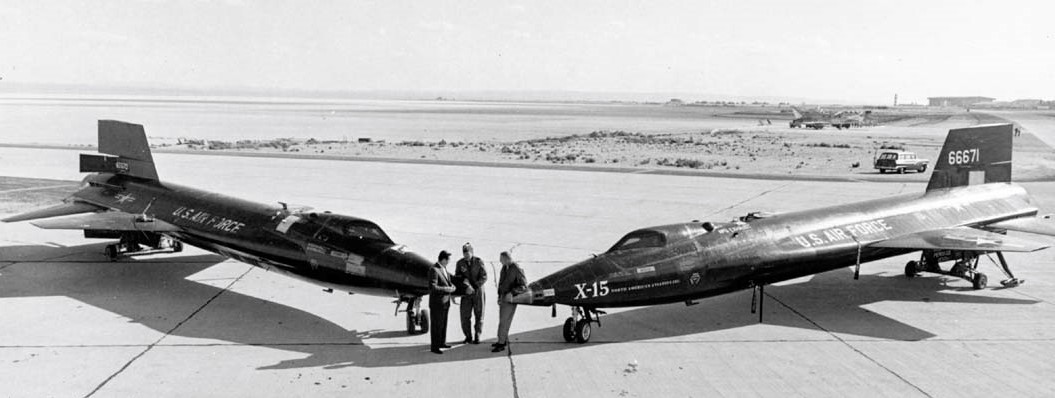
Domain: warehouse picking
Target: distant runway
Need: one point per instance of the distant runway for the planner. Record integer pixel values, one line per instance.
(194, 324)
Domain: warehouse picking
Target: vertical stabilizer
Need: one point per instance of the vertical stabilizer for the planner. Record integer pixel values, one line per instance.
(128, 143)
(974, 155)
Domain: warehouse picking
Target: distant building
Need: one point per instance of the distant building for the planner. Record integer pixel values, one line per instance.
(958, 101)
(1026, 103)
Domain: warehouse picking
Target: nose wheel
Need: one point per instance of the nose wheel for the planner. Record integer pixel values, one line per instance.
(417, 317)
(579, 326)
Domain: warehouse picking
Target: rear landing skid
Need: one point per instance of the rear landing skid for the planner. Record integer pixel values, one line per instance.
(965, 266)
(131, 245)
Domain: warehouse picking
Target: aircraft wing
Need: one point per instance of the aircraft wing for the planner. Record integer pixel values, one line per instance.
(1033, 225)
(109, 221)
(961, 238)
(61, 209)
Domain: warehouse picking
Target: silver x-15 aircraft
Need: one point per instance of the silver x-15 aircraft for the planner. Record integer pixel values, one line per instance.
(964, 214)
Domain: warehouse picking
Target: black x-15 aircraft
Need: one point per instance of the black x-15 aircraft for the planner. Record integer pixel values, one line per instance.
(123, 199)
(968, 207)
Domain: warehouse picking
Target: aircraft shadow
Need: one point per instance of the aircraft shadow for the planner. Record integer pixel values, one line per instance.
(831, 301)
(156, 293)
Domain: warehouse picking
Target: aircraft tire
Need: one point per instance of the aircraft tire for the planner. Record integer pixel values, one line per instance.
(583, 331)
(882, 171)
(111, 252)
(979, 281)
(901, 170)
(911, 269)
(569, 329)
(423, 321)
(177, 246)
(923, 169)
(411, 327)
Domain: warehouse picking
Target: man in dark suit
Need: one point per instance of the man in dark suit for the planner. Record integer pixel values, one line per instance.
(511, 282)
(470, 270)
(440, 289)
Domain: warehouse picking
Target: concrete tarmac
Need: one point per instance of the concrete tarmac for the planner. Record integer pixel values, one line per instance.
(73, 324)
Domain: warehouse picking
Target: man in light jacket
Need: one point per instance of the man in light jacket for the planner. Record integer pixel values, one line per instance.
(510, 283)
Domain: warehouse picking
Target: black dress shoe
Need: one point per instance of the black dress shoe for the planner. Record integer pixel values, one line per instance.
(499, 348)
(467, 341)
(476, 340)
(437, 351)
(446, 346)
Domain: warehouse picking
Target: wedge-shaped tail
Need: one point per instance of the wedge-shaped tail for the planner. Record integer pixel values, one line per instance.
(974, 155)
(128, 143)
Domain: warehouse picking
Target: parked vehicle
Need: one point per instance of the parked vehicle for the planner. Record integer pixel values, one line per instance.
(899, 161)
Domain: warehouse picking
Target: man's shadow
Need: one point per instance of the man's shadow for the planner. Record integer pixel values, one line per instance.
(156, 293)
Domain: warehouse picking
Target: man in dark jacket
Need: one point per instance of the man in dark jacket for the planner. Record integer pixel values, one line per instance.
(440, 289)
(511, 282)
(470, 270)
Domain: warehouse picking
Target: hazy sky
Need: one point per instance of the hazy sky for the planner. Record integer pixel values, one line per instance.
(861, 51)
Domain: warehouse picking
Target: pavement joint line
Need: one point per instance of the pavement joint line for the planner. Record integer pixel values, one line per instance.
(474, 239)
(513, 372)
(155, 343)
(850, 346)
(759, 195)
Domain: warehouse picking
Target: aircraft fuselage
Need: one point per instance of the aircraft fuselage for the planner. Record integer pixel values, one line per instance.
(331, 250)
(697, 260)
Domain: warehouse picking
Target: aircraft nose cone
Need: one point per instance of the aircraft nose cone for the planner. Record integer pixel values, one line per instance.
(522, 298)
(536, 294)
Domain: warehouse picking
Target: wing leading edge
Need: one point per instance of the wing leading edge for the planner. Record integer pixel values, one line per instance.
(61, 209)
(961, 238)
(108, 221)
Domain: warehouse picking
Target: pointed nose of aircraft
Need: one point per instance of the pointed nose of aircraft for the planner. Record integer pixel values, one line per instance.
(405, 269)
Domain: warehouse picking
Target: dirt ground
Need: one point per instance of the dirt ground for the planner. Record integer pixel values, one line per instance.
(773, 149)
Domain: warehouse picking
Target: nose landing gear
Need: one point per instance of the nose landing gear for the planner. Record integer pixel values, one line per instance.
(417, 317)
(578, 327)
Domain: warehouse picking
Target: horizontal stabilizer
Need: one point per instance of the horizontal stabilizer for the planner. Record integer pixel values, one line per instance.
(960, 238)
(62, 209)
(1033, 225)
(108, 221)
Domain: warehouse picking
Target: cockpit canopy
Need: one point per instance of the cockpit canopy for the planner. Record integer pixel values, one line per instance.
(640, 239)
(351, 227)
(661, 236)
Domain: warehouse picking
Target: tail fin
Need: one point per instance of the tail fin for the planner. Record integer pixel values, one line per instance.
(974, 155)
(129, 143)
